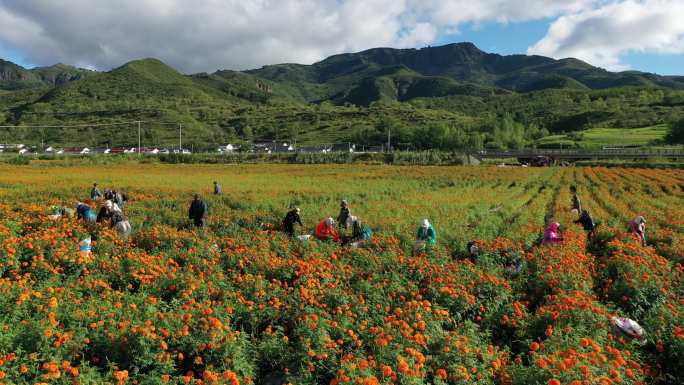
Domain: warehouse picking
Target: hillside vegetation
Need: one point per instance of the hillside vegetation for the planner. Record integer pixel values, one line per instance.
(448, 97)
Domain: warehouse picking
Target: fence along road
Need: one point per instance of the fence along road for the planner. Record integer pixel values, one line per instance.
(571, 155)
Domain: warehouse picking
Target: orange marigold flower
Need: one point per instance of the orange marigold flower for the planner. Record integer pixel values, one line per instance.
(441, 373)
(549, 331)
(121, 375)
(554, 381)
(534, 346)
(231, 377)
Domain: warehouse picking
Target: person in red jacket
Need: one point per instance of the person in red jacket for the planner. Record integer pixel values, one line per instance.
(326, 230)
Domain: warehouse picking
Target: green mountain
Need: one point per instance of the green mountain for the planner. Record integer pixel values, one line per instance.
(14, 77)
(451, 69)
(448, 97)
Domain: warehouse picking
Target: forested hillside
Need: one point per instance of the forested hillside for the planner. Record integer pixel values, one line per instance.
(448, 97)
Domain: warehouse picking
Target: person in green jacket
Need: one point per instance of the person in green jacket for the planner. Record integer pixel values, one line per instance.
(425, 236)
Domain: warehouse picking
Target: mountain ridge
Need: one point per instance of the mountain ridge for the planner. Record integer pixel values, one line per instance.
(457, 89)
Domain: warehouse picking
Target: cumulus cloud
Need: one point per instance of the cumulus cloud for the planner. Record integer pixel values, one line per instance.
(204, 35)
(599, 36)
(452, 13)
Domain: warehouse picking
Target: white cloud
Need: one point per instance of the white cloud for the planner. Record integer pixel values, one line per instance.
(452, 13)
(599, 36)
(205, 35)
(200, 35)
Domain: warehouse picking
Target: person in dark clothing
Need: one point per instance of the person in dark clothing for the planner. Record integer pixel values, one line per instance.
(587, 222)
(344, 215)
(217, 188)
(291, 218)
(116, 218)
(198, 211)
(95, 193)
(472, 251)
(108, 195)
(576, 205)
(107, 212)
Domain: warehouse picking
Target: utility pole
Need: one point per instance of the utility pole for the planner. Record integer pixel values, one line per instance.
(180, 136)
(389, 133)
(138, 137)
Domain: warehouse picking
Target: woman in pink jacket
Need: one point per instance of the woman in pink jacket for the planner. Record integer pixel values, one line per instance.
(552, 234)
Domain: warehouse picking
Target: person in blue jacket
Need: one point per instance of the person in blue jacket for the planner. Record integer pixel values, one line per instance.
(361, 233)
(83, 211)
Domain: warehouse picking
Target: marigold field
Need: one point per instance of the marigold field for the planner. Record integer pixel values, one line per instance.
(240, 303)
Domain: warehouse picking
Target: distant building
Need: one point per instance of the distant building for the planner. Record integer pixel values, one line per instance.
(228, 148)
(77, 150)
(272, 147)
(343, 147)
(310, 149)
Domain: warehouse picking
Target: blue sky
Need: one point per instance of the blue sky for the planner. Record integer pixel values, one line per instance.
(206, 35)
(516, 38)
(13, 56)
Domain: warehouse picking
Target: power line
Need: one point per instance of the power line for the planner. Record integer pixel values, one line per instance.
(74, 125)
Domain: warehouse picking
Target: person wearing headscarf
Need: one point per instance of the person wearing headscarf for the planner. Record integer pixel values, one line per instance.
(326, 230)
(217, 188)
(472, 251)
(638, 227)
(291, 218)
(120, 198)
(425, 236)
(360, 232)
(107, 211)
(552, 234)
(629, 328)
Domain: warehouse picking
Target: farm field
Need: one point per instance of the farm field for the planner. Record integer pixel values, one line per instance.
(241, 303)
(596, 138)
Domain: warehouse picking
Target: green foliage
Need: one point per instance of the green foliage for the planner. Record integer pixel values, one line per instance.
(446, 98)
(676, 132)
(19, 160)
